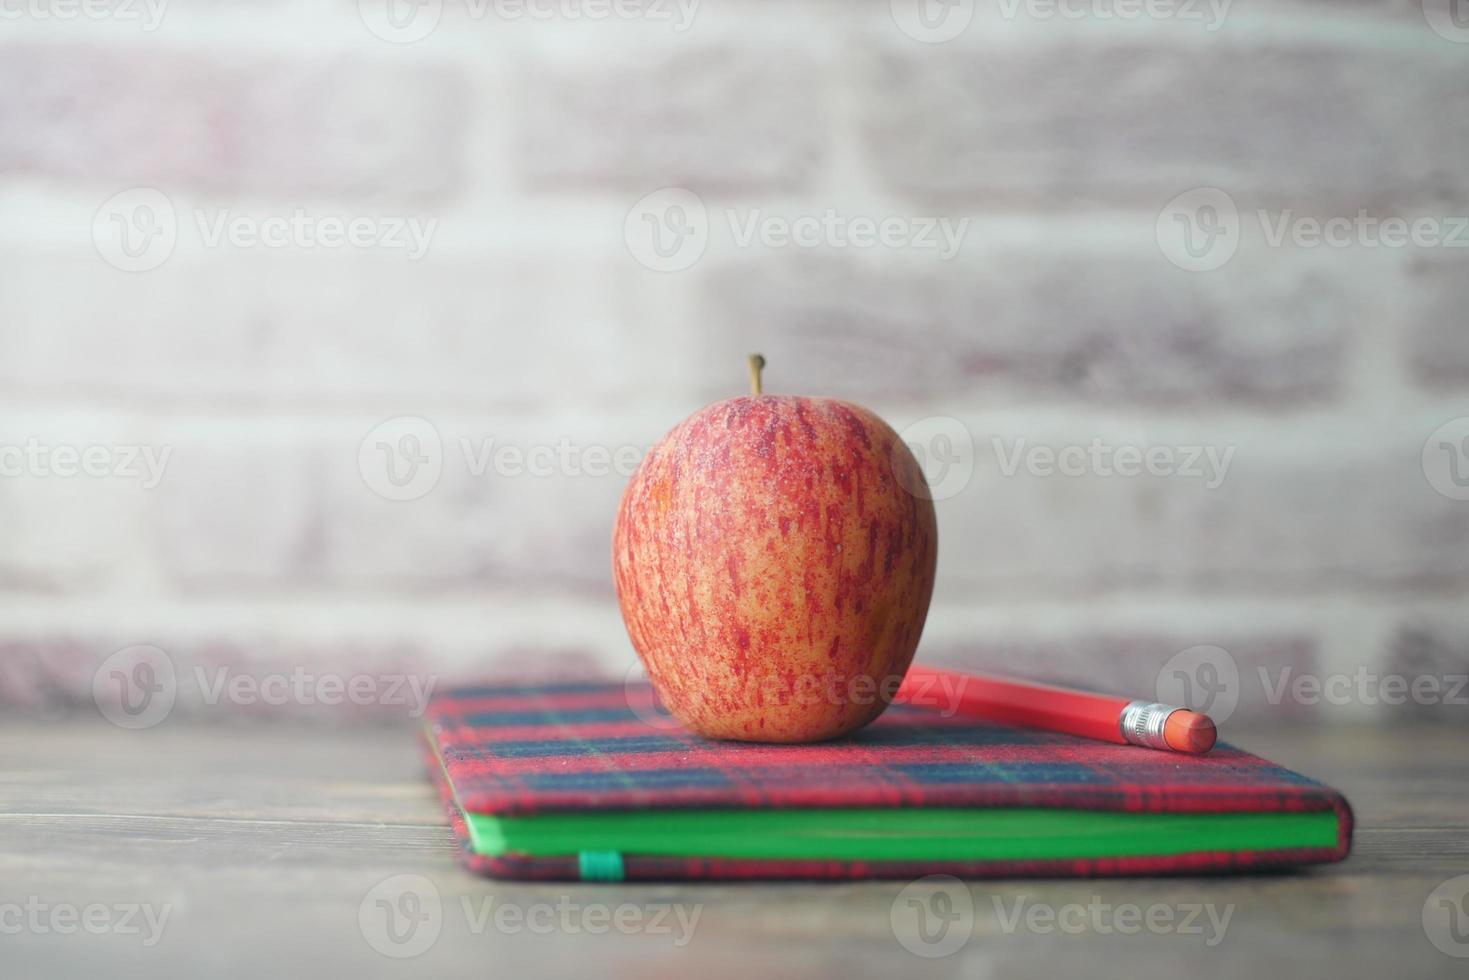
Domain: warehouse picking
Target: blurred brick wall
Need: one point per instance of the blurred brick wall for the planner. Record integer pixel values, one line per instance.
(293, 245)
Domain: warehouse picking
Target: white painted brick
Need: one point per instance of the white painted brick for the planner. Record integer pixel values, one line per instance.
(264, 550)
(1435, 301)
(76, 327)
(673, 115)
(502, 330)
(66, 529)
(229, 119)
(239, 509)
(1432, 652)
(502, 526)
(290, 329)
(66, 535)
(44, 672)
(1060, 116)
(1307, 506)
(1111, 324)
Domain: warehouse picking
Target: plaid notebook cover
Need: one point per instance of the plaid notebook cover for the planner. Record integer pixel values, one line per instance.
(514, 751)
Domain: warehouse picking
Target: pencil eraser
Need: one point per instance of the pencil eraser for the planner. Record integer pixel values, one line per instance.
(1189, 731)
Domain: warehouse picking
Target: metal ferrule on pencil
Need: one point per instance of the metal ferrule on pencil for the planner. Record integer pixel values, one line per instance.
(1143, 723)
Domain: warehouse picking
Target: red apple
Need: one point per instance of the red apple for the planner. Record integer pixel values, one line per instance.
(774, 559)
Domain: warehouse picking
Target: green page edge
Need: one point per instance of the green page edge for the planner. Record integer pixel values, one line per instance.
(895, 834)
(899, 834)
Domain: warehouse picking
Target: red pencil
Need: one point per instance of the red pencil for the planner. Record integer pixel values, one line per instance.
(1099, 716)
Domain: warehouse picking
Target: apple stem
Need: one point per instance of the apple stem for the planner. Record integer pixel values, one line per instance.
(757, 362)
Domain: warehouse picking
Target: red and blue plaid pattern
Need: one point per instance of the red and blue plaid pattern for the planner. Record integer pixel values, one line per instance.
(596, 746)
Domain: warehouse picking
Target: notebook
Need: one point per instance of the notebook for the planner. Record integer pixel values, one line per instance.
(592, 781)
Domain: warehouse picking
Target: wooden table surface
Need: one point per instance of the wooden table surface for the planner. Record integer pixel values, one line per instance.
(262, 851)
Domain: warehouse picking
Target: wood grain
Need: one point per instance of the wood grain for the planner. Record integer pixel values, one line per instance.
(263, 844)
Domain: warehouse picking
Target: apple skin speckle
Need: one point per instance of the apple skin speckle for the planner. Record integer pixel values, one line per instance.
(774, 569)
